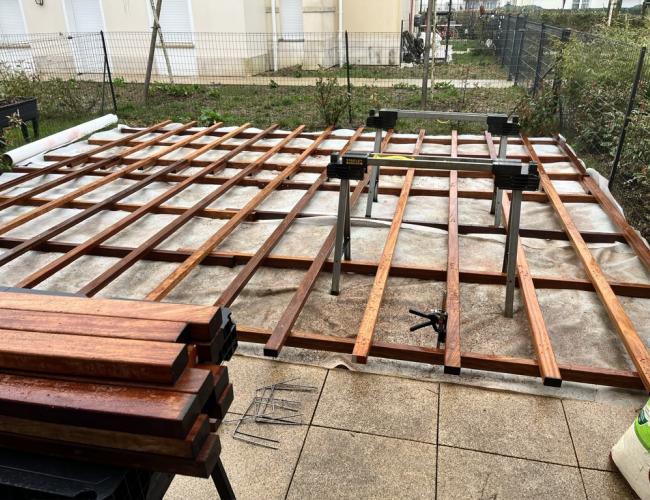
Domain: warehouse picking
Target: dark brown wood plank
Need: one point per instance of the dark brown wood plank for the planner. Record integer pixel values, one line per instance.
(201, 466)
(94, 326)
(188, 447)
(291, 312)
(452, 302)
(80, 158)
(129, 260)
(100, 357)
(99, 406)
(167, 284)
(432, 355)
(204, 321)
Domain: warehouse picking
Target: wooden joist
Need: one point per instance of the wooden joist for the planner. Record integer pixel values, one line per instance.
(142, 250)
(366, 330)
(166, 285)
(291, 312)
(452, 301)
(548, 366)
(635, 347)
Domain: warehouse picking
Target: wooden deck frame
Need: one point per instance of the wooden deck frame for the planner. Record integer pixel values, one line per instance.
(451, 357)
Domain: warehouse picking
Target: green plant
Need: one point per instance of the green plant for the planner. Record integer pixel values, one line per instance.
(118, 82)
(331, 99)
(55, 96)
(209, 116)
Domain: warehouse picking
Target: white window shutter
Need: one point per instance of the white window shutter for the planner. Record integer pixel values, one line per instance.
(11, 18)
(175, 21)
(291, 19)
(84, 16)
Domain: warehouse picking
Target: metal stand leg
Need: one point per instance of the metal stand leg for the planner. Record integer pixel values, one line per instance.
(510, 256)
(497, 195)
(220, 479)
(373, 183)
(342, 243)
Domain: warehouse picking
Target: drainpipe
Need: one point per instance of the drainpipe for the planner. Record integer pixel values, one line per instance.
(341, 33)
(275, 37)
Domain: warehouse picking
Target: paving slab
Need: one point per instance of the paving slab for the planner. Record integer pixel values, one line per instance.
(517, 425)
(601, 485)
(254, 472)
(388, 406)
(595, 428)
(475, 475)
(248, 374)
(344, 464)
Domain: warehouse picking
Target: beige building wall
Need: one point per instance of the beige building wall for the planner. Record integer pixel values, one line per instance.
(126, 15)
(376, 16)
(46, 19)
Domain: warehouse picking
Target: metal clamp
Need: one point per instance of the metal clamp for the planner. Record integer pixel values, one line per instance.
(437, 318)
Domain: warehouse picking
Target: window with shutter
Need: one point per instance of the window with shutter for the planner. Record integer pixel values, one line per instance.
(291, 19)
(85, 18)
(177, 29)
(176, 21)
(11, 20)
(14, 43)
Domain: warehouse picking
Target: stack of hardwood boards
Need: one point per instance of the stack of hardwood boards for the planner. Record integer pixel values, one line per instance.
(126, 383)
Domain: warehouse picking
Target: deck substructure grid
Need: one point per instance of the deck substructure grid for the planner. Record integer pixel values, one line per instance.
(105, 164)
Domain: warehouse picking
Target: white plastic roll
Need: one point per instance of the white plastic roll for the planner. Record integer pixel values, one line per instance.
(59, 139)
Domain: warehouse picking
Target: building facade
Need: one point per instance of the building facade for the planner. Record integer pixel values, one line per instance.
(202, 36)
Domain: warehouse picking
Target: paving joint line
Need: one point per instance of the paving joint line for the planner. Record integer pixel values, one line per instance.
(549, 462)
(321, 426)
(309, 425)
(573, 445)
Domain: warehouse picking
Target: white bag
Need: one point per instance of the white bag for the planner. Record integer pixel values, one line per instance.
(632, 454)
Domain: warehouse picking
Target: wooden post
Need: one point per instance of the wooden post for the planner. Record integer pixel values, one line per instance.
(152, 51)
(427, 50)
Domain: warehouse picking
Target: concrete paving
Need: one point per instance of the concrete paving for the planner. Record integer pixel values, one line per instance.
(372, 436)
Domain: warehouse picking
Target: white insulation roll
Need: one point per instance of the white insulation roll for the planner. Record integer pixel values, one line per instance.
(59, 139)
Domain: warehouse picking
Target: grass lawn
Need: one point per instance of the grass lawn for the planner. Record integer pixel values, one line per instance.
(470, 63)
(289, 107)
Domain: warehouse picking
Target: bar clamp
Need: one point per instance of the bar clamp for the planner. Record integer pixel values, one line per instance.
(437, 318)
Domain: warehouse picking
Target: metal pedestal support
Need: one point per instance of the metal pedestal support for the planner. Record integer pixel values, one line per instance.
(510, 175)
(510, 254)
(497, 195)
(497, 124)
(342, 243)
(373, 184)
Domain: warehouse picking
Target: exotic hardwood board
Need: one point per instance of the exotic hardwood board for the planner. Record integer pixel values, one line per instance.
(100, 357)
(102, 406)
(203, 320)
(94, 326)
